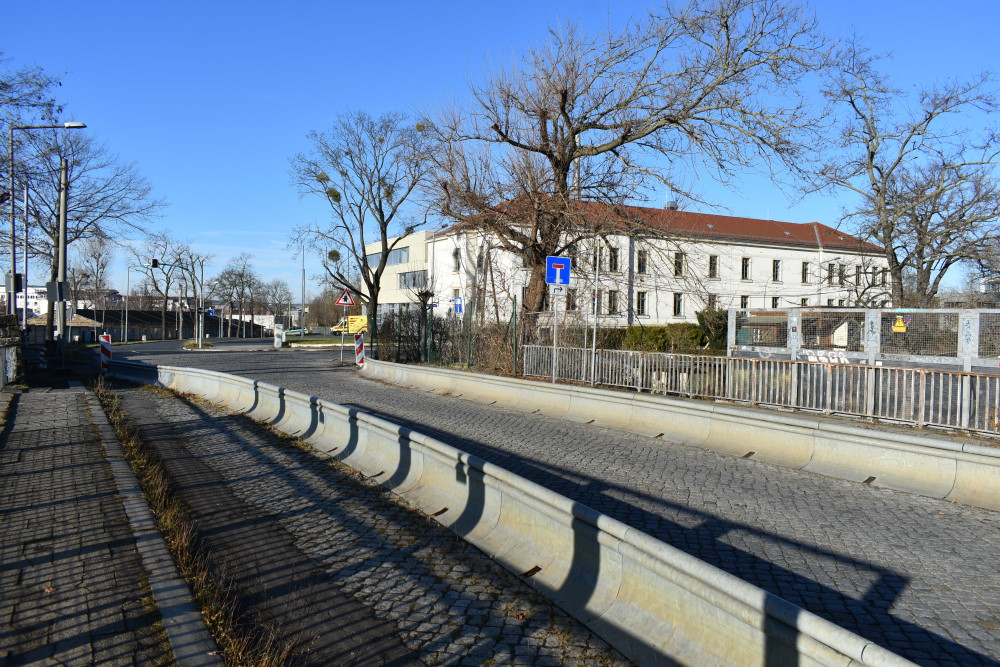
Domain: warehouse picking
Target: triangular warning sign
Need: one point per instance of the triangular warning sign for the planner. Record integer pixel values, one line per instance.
(345, 299)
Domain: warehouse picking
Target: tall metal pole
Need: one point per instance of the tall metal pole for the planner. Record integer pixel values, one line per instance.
(201, 307)
(61, 277)
(302, 307)
(24, 310)
(128, 275)
(11, 306)
(597, 303)
(555, 331)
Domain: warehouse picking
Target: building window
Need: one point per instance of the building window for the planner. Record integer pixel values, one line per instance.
(775, 302)
(713, 266)
(744, 302)
(640, 303)
(456, 256)
(597, 302)
(612, 259)
(713, 301)
(859, 273)
(570, 299)
(829, 302)
(805, 273)
(882, 277)
(396, 256)
(745, 268)
(456, 293)
(641, 261)
(776, 270)
(612, 302)
(831, 270)
(412, 279)
(805, 302)
(841, 302)
(842, 274)
(678, 304)
(678, 264)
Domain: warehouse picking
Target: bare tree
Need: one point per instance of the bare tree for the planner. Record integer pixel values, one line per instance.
(165, 276)
(107, 198)
(239, 285)
(26, 91)
(923, 177)
(712, 84)
(366, 169)
(93, 262)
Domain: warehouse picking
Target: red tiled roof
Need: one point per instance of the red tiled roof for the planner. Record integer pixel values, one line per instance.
(720, 227)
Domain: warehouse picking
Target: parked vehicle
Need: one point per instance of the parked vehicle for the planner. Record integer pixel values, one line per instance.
(351, 324)
(305, 331)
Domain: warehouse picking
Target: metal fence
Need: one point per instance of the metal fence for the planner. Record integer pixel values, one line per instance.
(922, 397)
(959, 339)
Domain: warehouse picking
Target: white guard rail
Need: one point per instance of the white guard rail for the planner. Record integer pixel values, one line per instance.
(922, 397)
(654, 603)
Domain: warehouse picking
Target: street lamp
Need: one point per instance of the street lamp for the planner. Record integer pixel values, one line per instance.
(11, 306)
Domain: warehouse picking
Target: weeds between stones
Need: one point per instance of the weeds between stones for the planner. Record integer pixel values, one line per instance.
(242, 643)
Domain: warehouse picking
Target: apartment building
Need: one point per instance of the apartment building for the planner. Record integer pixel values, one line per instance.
(657, 266)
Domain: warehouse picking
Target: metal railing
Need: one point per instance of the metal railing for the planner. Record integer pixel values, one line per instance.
(922, 397)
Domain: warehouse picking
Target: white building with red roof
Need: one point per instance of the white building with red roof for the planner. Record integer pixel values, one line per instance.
(656, 266)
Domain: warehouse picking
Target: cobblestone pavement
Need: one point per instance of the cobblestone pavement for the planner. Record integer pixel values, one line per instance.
(72, 587)
(917, 575)
(451, 604)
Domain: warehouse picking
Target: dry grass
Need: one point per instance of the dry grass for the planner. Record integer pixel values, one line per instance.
(243, 643)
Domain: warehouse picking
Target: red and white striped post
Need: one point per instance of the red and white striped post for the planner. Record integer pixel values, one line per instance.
(359, 349)
(105, 352)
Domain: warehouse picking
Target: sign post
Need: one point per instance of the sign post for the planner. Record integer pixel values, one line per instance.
(557, 273)
(345, 300)
(105, 353)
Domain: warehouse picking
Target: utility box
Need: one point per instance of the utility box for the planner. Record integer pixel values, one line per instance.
(279, 335)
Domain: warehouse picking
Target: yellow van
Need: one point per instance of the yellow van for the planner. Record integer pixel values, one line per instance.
(351, 324)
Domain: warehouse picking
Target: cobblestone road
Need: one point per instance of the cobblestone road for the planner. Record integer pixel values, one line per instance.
(450, 604)
(917, 575)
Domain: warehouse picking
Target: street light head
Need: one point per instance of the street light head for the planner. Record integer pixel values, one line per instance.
(74, 124)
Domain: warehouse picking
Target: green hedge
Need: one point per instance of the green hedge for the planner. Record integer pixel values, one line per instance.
(680, 338)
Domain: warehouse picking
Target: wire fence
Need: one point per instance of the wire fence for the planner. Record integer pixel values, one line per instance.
(903, 337)
(921, 397)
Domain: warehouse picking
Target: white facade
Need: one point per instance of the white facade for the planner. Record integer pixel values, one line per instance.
(653, 280)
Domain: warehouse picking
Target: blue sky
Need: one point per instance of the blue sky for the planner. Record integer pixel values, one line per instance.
(211, 98)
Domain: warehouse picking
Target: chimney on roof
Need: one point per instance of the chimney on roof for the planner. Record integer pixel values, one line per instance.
(671, 205)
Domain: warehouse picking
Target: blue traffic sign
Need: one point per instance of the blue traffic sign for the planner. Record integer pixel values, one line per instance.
(557, 270)
(458, 305)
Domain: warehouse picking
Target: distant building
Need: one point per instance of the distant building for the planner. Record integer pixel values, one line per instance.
(659, 266)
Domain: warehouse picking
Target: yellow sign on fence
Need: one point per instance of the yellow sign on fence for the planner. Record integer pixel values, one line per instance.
(899, 326)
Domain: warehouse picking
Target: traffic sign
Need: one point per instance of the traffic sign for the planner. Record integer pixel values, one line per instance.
(557, 270)
(345, 299)
(458, 305)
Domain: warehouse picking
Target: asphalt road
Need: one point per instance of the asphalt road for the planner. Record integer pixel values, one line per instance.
(917, 575)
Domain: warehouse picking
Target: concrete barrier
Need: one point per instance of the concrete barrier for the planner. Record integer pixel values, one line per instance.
(912, 462)
(653, 602)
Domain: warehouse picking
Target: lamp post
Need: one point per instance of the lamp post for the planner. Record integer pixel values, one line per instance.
(11, 306)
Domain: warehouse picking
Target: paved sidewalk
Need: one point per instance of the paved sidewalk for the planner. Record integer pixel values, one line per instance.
(73, 586)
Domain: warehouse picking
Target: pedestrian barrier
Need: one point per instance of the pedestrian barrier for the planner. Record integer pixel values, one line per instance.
(651, 601)
(930, 466)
